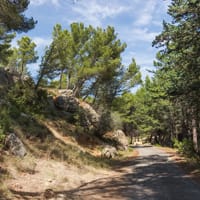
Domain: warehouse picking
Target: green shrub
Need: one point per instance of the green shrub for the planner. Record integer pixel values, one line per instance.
(4, 122)
(26, 99)
(105, 123)
(116, 121)
(184, 147)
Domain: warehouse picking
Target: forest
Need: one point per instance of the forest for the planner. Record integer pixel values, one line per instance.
(86, 60)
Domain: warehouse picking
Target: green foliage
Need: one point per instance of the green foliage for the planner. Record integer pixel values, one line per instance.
(88, 60)
(4, 121)
(178, 64)
(5, 44)
(25, 99)
(185, 146)
(105, 123)
(116, 121)
(23, 55)
(145, 112)
(2, 136)
(12, 19)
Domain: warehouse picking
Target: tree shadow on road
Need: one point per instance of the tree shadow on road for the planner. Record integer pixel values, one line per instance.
(148, 178)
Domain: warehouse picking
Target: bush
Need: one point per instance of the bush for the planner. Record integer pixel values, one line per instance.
(4, 123)
(105, 123)
(116, 121)
(184, 147)
(26, 99)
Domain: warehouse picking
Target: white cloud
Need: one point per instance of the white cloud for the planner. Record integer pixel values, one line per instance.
(137, 35)
(93, 12)
(143, 34)
(145, 14)
(41, 42)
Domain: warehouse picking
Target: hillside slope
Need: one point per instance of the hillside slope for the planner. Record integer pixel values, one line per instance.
(63, 150)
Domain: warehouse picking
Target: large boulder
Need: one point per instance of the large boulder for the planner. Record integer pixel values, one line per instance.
(90, 116)
(15, 145)
(121, 139)
(66, 101)
(109, 151)
(118, 138)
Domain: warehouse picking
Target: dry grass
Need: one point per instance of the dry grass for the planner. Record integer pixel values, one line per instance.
(26, 165)
(4, 174)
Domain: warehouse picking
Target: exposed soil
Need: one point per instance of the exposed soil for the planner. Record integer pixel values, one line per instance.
(152, 175)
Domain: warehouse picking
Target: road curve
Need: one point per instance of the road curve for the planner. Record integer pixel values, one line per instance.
(150, 176)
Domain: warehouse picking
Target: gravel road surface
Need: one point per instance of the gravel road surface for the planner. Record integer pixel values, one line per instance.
(150, 176)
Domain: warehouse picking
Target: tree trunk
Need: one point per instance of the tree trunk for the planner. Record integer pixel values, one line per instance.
(194, 135)
(22, 70)
(68, 85)
(60, 81)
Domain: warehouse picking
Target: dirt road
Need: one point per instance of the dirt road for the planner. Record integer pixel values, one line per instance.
(150, 176)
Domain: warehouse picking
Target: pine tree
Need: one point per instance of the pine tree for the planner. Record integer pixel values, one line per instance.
(179, 58)
(12, 19)
(26, 54)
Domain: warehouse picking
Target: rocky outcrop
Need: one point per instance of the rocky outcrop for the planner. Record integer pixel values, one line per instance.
(109, 152)
(119, 139)
(66, 101)
(90, 116)
(15, 145)
(122, 140)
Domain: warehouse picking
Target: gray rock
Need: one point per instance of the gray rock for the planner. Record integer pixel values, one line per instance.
(15, 145)
(92, 118)
(66, 103)
(120, 137)
(109, 152)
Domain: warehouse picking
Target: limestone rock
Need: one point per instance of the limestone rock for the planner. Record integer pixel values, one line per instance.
(15, 145)
(109, 152)
(121, 139)
(67, 102)
(91, 117)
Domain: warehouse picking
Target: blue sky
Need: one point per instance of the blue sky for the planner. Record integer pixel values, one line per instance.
(136, 22)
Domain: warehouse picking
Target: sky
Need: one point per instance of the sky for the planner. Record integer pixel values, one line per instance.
(136, 23)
